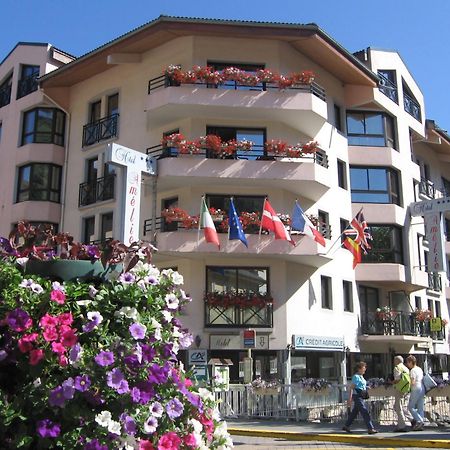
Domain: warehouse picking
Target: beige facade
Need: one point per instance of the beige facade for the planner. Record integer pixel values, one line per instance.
(117, 94)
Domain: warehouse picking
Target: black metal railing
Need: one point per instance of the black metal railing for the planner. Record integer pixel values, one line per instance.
(239, 317)
(388, 88)
(397, 323)
(164, 81)
(97, 190)
(427, 188)
(434, 282)
(27, 85)
(257, 153)
(102, 129)
(5, 96)
(412, 107)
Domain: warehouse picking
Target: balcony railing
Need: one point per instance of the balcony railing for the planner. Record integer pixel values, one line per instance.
(388, 88)
(427, 188)
(164, 81)
(100, 130)
(97, 190)
(412, 107)
(397, 323)
(5, 96)
(434, 282)
(27, 85)
(257, 153)
(239, 315)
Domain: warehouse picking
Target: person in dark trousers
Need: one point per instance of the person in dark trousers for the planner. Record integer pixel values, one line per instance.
(358, 393)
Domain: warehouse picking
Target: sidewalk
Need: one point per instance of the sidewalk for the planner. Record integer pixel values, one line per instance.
(430, 437)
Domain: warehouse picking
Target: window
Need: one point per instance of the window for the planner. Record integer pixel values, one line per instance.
(417, 302)
(375, 185)
(28, 80)
(327, 302)
(166, 204)
(98, 129)
(324, 224)
(445, 186)
(95, 111)
(256, 135)
(338, 117)
(371, 129)
(388, 84)
(113, 105)
(88, 229)
(410, 103)
(347, 289)
(5, 91)
(229, 310)
(343, 225)
(107, 226)
(369, 299)
(386, 245)
(1, 129)
(39, 182)
(247, 203)
(43, 126)
(342, 174)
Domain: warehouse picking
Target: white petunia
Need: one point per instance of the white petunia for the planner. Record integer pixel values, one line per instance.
(196, 425)
(172, 301)
(167, 315)
(114, 427)
(104, 418)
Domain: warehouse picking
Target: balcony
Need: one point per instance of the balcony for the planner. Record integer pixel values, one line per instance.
(307, 175)
(434, 282)
(238, 310)
(388, 88)
(302, 107)
(412, 107)
(405, 326)
(97, 190)
(100, 130)
(427, 188)
(175, 239)
(5, 96)
(27, 85)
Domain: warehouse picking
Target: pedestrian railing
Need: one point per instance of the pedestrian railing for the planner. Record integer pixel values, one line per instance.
(328, 405)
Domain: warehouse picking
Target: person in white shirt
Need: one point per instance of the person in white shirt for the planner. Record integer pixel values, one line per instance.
(416, 398)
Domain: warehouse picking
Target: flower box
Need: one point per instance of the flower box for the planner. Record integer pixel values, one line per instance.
(443, 391)
(267, 391)
(382, 391)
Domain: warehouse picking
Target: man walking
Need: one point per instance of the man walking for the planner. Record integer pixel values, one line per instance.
(400, 393)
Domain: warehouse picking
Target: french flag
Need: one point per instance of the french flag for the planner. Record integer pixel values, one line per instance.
(300, 222)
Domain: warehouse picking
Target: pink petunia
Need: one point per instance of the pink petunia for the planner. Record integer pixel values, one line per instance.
(169, 441)
(190, 440)
(50, 334)
(58, 297)
(48, 321)
(57, 347)
(65, 319)
(145, 445)
(26, 342)
(36, 356)
(69, 338)
(63, 361)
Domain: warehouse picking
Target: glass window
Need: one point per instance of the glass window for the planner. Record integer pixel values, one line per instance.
(324, 224)
(39, 182)
(342, 174)
(28, 80)
(410, 103)
(327, 302)
(348, 295)
(387, 246)
(388, 84)
(375, 185)
(369, 299)
(107, 226)
(95, 111)
(5, 91)
(88, 229)
(113, 105)
(43, 126)
(337, 117)
(371, 129)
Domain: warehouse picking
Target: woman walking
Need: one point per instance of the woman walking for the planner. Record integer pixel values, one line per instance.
(416, 397)
(358, 393)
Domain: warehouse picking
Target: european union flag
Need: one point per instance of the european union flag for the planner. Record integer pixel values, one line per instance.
(236, 231)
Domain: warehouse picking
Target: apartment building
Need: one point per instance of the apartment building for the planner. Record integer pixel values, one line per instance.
(32, 137)
(314, 315)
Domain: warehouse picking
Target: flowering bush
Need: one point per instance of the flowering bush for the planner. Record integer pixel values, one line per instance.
(95, 367)
(239, 299)
(423, 315)
(385, 313)
(314, 384)
(259, 384)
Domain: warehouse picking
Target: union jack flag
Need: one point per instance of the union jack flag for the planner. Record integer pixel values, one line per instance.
(359, 232)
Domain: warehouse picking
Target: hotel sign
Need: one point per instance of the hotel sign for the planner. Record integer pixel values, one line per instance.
(320, 343)
(236, 342)
(134, 164)
(434, 234)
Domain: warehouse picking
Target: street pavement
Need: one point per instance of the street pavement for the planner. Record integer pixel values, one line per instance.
(274, 434)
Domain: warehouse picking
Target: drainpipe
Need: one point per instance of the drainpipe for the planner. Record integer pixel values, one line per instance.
(66, 157)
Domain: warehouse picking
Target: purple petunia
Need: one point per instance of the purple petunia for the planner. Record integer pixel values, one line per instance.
(156, 409)
(94, 319)
(129, 424)
(116, 380)
(48, 429)
(82, 383)
(104, 359)
(137, 330)
(150, 425)
(95, 445)
(127, 278)
(158, 374)
(68, 389)
(19, 320)
(56, 397)
(174, 408)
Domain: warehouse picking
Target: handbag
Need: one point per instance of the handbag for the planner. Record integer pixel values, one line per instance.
(428, 382)
(363, 393)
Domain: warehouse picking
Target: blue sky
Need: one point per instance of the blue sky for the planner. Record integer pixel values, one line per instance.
(418, 30)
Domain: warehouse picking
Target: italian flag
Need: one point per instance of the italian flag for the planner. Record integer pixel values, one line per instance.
(207, 224)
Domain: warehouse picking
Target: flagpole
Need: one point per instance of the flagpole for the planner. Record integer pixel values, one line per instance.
(262, 215)
(346, 228)
(200, 220)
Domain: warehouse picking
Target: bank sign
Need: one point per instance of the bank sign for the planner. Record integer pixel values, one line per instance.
(320, 343)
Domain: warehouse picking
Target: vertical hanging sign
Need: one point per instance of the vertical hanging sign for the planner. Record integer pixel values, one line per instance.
(434, 235)
(134, 163)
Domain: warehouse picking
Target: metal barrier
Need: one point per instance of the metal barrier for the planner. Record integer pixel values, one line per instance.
(329, 405)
